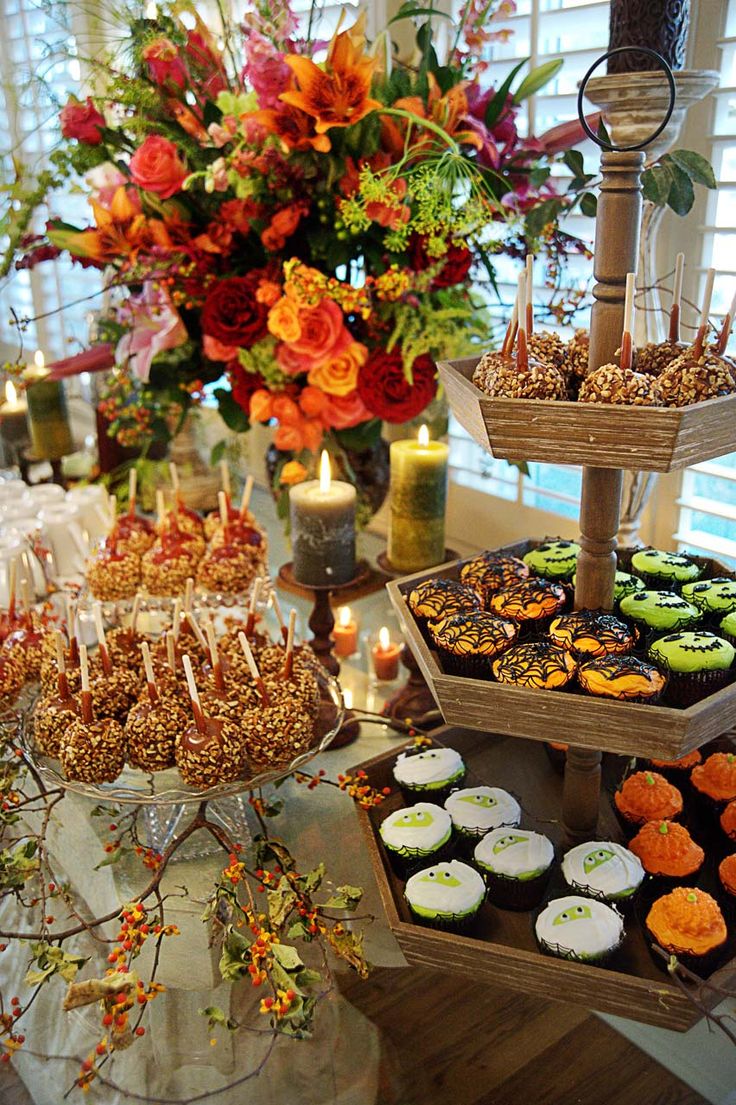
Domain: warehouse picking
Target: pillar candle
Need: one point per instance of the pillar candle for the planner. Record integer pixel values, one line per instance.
(418, 501)
(323, 529)
(13, 418)
(48, 419)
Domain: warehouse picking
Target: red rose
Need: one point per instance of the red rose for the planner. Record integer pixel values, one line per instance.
(243, 384)
(82, 121)
(231, 312)
(156, 167)
(164, 64)
(456, 266)
(385, 390)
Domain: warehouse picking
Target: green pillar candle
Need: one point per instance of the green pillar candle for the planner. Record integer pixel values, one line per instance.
(418, 501)
(48, 419)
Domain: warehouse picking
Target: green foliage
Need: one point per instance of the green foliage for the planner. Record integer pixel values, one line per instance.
(345, 897)
(51, 960)
(18, 864)
(537, 79)
(216, 1016)
(670, 181)
(231, 413)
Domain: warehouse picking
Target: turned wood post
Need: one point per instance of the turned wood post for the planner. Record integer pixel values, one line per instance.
(322, 622)
(616, 250)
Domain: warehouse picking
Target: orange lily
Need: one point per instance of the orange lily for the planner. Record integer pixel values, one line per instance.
(339, 94)
(446, 111)
(292, 127)
(121, 230)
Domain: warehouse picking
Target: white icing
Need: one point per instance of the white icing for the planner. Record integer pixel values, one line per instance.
(603, 866)
(483, 808)
(436, 765)
(421, 827)
(515, 852)
(581, 925)
(449, 889)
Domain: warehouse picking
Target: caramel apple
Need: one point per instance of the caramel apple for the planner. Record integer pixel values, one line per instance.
(113, 573)
(523, 377)
(55, 712)
(653, 358)
(618, 383)
(153, 725)
(92, 751)
(210, 750)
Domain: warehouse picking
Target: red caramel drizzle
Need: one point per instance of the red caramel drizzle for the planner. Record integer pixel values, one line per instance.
(535, 662)
(171, 547)
(132, 523)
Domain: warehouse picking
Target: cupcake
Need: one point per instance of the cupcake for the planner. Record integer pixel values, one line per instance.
(447, 896)
(553, 559)
(624, 584)
(728, 820)
(727, 627)
(678, 771)
(440, 598)
(667, 852)
(429, 774)
(604, 870)
(659, 612)
(664, 570)
(490, 572)
(537, 665)
(622, 677)
(477, 810)
(727, 885)
(516, 866)
(532, 602)
(698, 664)
(466, 643)
(415, 835)
(714, 597)
(646, 796)
(589, 633)
(579, 928)
(714, 783)
(688, 924)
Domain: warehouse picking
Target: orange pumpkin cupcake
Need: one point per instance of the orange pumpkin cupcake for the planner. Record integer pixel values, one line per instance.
(715, 779)
(728, 820)
(678, 771)
(646, 796)
(667, 851)
(688, 923)
(727, 880)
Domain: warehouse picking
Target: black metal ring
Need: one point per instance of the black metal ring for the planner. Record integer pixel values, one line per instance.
(664, 66)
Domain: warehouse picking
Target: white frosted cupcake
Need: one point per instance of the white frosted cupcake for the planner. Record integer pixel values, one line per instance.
(446, 896)
(605, 870)
(429, 774)
(416, 834)
(579, 928)
(477, 810)
(516, 864)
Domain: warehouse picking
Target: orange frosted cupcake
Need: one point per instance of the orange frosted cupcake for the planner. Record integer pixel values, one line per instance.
(646, 796)
(688, 923)
(715, 779)
(728, 820)
(667, 851)
(678, 771)
(727, 881)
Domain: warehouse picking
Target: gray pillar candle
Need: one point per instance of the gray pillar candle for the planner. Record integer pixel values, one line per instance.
(323, 529)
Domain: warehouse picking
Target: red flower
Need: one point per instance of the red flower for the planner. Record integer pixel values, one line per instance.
(156, 167)
(164, 64)
(244, 385)
(456, 262)
(82, 121)
(385, 390)
(231, 312)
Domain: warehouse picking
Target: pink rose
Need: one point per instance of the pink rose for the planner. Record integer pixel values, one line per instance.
(155, 326)
(156, 167)
(82, 121)
(344, 411)
(217, 351)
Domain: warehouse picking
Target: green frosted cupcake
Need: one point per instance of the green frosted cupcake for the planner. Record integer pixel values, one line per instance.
(624, 584)
(698, 664)
(665, 570)
(447, 896)
(727, 627)
(554, 559)
(659, 612)
(712, 596)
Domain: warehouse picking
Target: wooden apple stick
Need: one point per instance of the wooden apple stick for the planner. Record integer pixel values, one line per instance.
(725, 334)
(135, 611)
(12, 585)
(674, 334)
(245, 500)
(279, 614)
(252, 613)
(160, 508)
(176, 618)
(509, 340)
(101, 639)
(112, 506)
(196, 630)
(529, 295)
(87, 712)
(225, 477)
(171, 651)
(253, 668)
(71, 629)
(215, 657)
(25, 590)
(194, 695)
(627, 340)
(522, 349)
(61, 679)
(188, 594)
(132, 490)
(224, 516)
(175, 484)
(699, 343)
(150, 678)
(289, 658)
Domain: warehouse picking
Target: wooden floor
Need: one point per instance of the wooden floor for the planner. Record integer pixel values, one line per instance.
(450, 1042)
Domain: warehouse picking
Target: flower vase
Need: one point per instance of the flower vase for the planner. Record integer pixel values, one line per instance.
(199, 484)
(632, 105)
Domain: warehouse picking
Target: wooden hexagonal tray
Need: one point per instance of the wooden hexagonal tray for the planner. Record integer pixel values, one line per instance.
(629, 729)
(503, 949)
(655, 439)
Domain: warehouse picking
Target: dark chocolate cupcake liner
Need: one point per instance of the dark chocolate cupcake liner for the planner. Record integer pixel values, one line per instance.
(686, 688)
(726, 636)
(664, 583)
(707, 812)
(472, 667)
(559, 951)
(519, 895)
(458, 924)
(624, 905)
(726, 901)
(656, 886)
(631, 828)
(701, 965)
(431, 794)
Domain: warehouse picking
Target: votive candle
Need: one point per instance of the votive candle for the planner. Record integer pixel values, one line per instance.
(323, 529)
(345, 633)
(385, 655)
(416, 537)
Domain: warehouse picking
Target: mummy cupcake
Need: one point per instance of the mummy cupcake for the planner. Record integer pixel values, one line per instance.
(416, 835)
(477, 810)
(603, 869)
(516, 865)
(579, 928)
(429, 774)
(447, 896)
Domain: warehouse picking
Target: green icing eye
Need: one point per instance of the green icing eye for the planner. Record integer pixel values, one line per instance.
(595, 859)
(487, 801)
(442, 877)
(507, 841)
(577, 913)
(417, 820)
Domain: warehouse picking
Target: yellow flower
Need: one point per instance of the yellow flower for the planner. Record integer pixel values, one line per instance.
(283, 321)
(339, 376)
(293, 472)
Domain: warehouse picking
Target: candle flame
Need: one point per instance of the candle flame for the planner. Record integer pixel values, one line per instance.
(344, 615)
(325, 475)
(424, 435)
(11, 395)
(38, 359)
(384, 638)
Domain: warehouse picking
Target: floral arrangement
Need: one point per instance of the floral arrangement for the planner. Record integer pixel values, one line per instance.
(296, 220)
